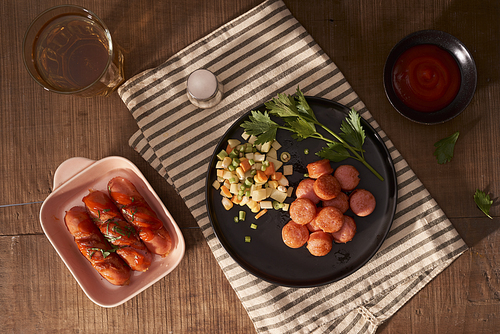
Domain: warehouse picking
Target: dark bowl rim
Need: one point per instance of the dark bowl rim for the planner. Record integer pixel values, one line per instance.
(466, 65)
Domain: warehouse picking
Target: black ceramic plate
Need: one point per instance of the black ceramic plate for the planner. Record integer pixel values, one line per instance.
(464, 60)
(266, 256)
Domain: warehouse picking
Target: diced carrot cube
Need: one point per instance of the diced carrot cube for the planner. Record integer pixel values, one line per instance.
(245, 165)
(225, 192)
(270, 169)
(229, 149)
(235, 200)
(260, 177)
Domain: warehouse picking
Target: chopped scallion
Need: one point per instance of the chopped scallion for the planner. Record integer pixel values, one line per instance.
(253, 226)
(242, 215)
(247, 238)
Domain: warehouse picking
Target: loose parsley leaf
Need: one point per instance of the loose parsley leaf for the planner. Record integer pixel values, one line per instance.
(445, 147)
(483, 202)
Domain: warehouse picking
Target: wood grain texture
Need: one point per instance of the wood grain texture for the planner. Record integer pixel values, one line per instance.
(39, 130)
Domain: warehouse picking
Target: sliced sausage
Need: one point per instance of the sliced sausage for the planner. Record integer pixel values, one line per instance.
(137, 211)
(312, 226)
(330, 219)
(302, 211)
(326, 187)
(347, 232)
(341, 202)
(95, 248)
(319, 243)
(318, 168)
(294, 235)
(348, 177)
(117, 231)
(305, 189)
(362, 202)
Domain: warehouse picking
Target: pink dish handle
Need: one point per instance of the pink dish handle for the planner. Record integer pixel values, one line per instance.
(70, 168)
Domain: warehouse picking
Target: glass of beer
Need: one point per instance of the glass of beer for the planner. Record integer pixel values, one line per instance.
(69, 50)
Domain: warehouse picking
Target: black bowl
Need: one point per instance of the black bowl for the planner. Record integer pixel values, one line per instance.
(465, 63)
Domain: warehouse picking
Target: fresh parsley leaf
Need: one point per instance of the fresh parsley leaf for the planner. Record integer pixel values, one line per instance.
(302, 129)
(303, 106)
(445, 147)
(335, 152)
(352, 131)
(483, 202)
(261, 126)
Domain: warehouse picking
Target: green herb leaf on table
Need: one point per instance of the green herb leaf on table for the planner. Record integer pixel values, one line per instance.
(445, 147)
(483, 202)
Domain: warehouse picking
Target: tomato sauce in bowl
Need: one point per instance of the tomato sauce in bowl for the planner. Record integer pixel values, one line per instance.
(426, 78)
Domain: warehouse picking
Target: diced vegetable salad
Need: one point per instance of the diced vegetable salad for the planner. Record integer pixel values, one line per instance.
(252, 175)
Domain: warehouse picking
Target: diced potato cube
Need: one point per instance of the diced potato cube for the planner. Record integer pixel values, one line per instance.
(285, 207)
(252, 139)
(240, 173)
(278, 196)
(265, 147)
(235, 188)
(288, 170)
(276, 145)
(283, 181)
(244, 200)
(276, 162)
(245, 136)
(228, 175)
(216, 185)
(269, 191)
(218, 165)
(289, 191)
(273, 184)
(233, 142)
(259, 195)
(227, 203)
(258, 157)
(226, 162)
(272, 153)
(266, 205)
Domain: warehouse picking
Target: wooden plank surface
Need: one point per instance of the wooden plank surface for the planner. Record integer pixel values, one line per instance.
(39, 130)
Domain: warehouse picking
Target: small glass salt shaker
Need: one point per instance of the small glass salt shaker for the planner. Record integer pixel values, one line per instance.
(203, 89)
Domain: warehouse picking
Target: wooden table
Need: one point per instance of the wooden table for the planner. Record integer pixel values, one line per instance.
(39, 130)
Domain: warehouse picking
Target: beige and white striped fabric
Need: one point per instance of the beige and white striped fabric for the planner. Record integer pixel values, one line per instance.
(259, 54)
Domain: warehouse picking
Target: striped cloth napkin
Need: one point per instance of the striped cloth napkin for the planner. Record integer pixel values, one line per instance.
(256, 56)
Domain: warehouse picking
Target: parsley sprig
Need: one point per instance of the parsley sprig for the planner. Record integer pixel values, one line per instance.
(483, 202)
(445, 147)
(298, 117)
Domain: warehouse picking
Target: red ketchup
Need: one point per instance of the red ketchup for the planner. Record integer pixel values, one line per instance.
(426, 78)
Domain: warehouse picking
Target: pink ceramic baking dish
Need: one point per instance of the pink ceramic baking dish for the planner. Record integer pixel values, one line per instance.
(72, 181)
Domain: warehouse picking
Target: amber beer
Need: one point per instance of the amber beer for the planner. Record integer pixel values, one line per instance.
(72, 53)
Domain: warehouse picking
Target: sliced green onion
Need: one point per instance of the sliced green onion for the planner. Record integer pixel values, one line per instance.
(242, 215)
(231, 168)
(236, 219)
(233, 154)
(285, 156)
(247, 193)
(253, 172)
(265, 163)
(233, 180)
(248, 239)
(236, 162)
(253, 226)
(306, 151)
(251, 162)
(277, 205)
(306, 175)
(248, 182)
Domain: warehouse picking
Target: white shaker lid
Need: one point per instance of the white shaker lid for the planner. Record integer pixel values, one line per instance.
(202, 84)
